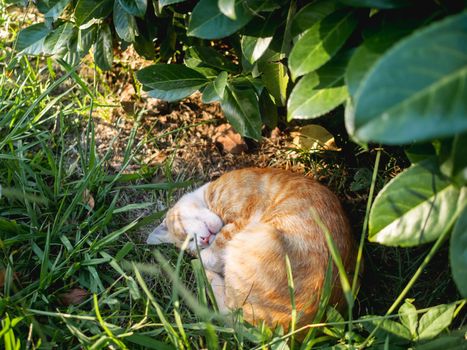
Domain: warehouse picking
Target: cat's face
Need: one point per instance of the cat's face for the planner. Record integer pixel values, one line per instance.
(182, 222)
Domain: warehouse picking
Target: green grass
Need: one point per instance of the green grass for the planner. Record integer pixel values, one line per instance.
(54, 239)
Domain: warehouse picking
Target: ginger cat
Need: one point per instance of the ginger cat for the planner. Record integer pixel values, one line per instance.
(245, 223)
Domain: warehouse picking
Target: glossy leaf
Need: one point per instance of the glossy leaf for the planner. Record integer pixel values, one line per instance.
(253, 48)
(274, 76)
(268, 110)
(56, 43)
(379, 4)
(31, 39)
(170, 82)
(458, 250)
(420, 151)
(320, 43)
(86, 10)
(134, 7)
(312, 13)
(415, 207)
(240, 106)
(52, 9)
(388, 328)
(86, 38)
(175, 94)
(124, 23)
(208, 22)
(72, 55)
(163, 3)
(319, 92)
(408, 316)
(454, 341)
(227, 7)
(373, 48)
(144, 42)
(214, 91)
(204, 56)
(456, 165)
(258, 35)
(431, 66)
(435, 320)
(103, 48)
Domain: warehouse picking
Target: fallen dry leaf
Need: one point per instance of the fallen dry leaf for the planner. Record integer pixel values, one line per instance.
(231, 141)
(127, 98)
(315, 138)
(88, 199)
(73, 296)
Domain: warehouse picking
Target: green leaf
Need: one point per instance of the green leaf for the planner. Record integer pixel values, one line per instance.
(415, 207)
(319, 43)
(374, 47)
(86, 38)
(31, 39)
(214, 91)
(86, 10)
(454, 341)
(319, 92)
(435, 320)
(170, 82)
(431, 66)
(204, 56)
(312, 13)
(134, 7)
(52, 9)
(163, 3)
(333, 316)
(408, 316)
(241, 109)
(253, 48)
(388, 328)
(143, 43)
(279, 344)
(72, 56)
(57, 42)
(379, 4)
(124, 23)
(208, 22)
(103, 48)
(456, 164)
(458, 250)
(268, 110)
(419, 152)
(227, 7)
(258, 36)
(274, 76)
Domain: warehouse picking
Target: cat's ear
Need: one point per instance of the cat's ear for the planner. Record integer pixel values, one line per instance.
(159, 235)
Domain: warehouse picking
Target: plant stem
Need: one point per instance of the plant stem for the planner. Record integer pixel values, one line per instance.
(365, 222)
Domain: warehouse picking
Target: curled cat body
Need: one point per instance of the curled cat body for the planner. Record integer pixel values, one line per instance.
(245, 223)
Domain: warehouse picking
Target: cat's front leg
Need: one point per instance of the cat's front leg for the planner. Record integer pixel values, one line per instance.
(218, 288)
(212, 260)
(213, 256)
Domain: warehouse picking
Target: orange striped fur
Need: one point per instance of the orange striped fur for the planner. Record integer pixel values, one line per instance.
(260, 217)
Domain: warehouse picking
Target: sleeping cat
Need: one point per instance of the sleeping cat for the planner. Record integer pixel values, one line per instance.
(245, 223)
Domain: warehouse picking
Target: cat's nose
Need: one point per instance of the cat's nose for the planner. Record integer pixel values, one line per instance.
(205, 240)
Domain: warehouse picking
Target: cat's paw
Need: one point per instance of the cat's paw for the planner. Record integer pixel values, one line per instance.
(211, 261)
